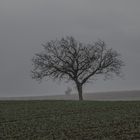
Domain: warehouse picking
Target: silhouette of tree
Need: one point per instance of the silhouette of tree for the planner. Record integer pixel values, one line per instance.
(70, 59)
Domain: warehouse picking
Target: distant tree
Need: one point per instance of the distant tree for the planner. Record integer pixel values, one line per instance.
(68, 91)
(70, 59)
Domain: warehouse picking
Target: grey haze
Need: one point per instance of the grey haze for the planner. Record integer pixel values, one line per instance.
(26, 24)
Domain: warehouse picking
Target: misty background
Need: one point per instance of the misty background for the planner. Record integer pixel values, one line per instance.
(25, 25)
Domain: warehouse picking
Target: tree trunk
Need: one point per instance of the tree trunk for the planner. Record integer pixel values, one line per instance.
(79, 89)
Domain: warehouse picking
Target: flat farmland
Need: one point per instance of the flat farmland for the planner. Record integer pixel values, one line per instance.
(69, 120)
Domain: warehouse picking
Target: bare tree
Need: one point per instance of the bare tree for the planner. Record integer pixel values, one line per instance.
(75, 61)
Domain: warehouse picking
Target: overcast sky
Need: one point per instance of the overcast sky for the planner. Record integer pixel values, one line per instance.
(26, 24)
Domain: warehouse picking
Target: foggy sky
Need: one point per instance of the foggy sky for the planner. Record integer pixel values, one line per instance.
(26, 24)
